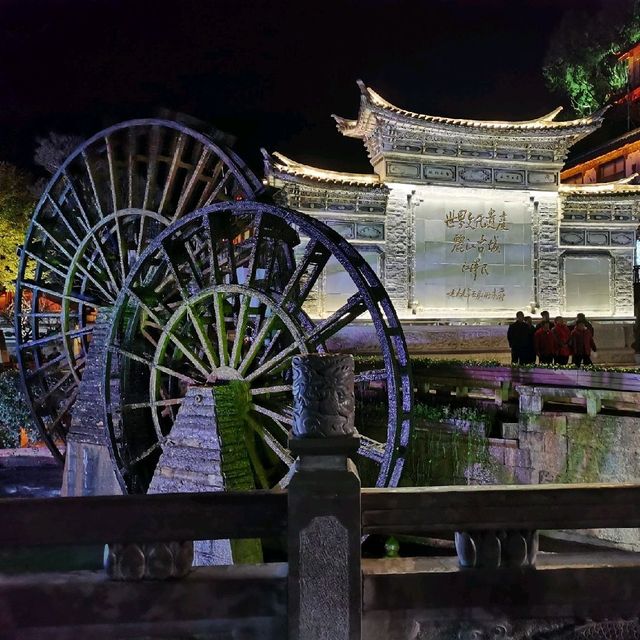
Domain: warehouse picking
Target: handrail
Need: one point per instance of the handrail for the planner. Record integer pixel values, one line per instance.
(142, 518)
(199, 516)
(495, 507)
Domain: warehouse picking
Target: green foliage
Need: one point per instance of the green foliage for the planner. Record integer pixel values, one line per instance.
(582, 58)
(16, 204)
(14, 412)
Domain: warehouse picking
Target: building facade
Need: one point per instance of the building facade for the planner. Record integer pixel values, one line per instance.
(466, 220)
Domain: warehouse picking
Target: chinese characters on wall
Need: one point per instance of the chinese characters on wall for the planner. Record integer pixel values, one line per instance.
(475, 239)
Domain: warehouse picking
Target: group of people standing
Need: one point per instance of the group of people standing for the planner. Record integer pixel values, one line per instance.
(551, 342)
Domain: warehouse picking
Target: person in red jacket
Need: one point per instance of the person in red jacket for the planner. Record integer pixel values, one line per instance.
(562, 333)
(545, 342)
(581, 344)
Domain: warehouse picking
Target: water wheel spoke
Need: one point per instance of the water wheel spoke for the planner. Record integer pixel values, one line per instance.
(105, 262)
(131, 150)
(57, 336)
(122, 247)
(107, 295)
(168, 402)
(62, 412)
(92, 182)
(256, 241)
(153, 153)
(46, 264)
(63, 217)
(347, 313)
(272, 442)
(173, 171)
(148, 310)
(195, 177)
(194, 266)
(49, 364)
(256, 344)
(70, 187)
(276, 388)
(270, 365)
(210, 183)
(270, 347)
(141, 229)
(191, 355)
(112, 173)
(119, 351)
(55, 241)
(176, 374)
(42, 400)
(218, 189)
(284, 483)
(241, 331)
(371, 449)
(306, 274)
(221, 328)
(174, 270)
(141, 456)
(205, 342)
(279, 418)
(256, 463)
(214, 264)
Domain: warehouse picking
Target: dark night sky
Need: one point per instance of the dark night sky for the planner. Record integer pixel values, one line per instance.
(270, 72)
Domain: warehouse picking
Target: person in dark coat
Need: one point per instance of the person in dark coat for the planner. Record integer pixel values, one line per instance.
(545, 342)
(530, 357)
(580, 317)
(581, 344)
(518, 338)
(562, 334)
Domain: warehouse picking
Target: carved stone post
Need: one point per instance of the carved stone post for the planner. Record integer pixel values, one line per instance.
(325, 580)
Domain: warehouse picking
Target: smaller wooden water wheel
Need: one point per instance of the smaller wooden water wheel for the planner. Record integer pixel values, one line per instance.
(219, 296)
(113, 195)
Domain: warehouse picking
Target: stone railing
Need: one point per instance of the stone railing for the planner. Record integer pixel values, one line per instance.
(326, 591)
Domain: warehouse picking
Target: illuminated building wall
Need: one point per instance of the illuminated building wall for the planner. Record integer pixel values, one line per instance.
(466, 220)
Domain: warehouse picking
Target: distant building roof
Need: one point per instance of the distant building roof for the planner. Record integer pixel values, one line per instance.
(621, 145)
(616, 187)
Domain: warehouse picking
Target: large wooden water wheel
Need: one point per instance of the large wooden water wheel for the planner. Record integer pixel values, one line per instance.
(219, 296)
(110, 198)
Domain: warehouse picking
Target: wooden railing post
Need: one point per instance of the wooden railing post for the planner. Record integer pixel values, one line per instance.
(325, 579)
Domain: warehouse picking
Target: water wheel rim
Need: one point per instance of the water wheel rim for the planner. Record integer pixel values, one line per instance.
(51, 389)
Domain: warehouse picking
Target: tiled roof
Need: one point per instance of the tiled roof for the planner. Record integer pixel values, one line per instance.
(279, 165)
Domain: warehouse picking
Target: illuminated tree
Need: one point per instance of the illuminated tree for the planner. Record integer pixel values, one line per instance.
(52, 150)
(582, 58)
(16, 203)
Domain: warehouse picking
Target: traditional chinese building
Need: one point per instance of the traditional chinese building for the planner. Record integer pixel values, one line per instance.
(466, 220)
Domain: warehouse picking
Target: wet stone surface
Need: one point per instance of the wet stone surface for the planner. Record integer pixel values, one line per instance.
(29, 473)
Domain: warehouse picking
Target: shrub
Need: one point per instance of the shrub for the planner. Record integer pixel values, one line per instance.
(14, 411)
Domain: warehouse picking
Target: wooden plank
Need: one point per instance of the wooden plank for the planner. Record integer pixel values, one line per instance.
(89, 601)
(421, 510)
(142, 518)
